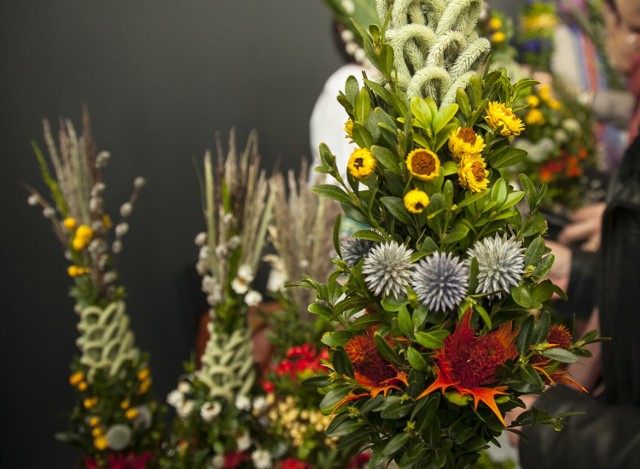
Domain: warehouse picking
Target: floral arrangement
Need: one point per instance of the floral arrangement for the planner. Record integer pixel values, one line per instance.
(539, 19)
(439, 301)
(115, 422)
(561, 149)
(302, 240)
(219, 407)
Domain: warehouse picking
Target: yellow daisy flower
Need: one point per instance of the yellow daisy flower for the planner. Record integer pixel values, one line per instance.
(90, 402)
(472, 174)
(131, 413)
(415, 201)
(500, 115)
(534, 117)
(423, 164)
(94, 421)
(362, 163)
(82, 386)
(495, 23)
(465, 142)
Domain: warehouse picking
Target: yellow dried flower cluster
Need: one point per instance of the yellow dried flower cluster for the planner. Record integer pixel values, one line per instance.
(466, 147)
(82, 237)
(296, 422)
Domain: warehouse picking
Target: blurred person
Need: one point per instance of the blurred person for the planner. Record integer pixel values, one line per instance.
(607, 433)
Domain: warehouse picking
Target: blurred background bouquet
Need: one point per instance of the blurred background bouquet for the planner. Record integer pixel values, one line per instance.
(536, 34)
(219, 405)
(439, 301)
(302, 239)
(115, 422)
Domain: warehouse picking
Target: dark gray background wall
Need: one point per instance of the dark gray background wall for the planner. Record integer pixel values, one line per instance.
(160, 77)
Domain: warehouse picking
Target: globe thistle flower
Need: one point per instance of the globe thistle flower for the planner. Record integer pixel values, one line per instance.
(472, 174)
(465, 142)
(423, 164)
(118, 437)
(354, 249)
(362, 163)
(441, 281)
(500, 263)
(415, 201)
(499, 115)
(387, 269)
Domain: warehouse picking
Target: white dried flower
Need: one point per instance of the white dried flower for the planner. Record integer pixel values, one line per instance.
(201, 239)
(228, 219)
(49, 212)
(221, 250)
(33, 200)
(351, 48)
(116, 247)
(110, 277)
(245, 272)
(102, 159)
(217, 462)
(97, 189)
(347, 35)
(175, 398)
(139, 182)
(215, 297)
(122, 229)
(260, 404)
(210, 410)
(571, 125)
(348, 6)
(261, 459)
(118, 437)
(234, 242)
(97, 225)
(239, 286)
(103, 260)
(252, 298)
(184, 387)
(185, 409)
(360, 55)
(560, 136)
(243, 403)
(143, 417)
(209, 284)
(95, 203)
(126, 209)
(244, 441)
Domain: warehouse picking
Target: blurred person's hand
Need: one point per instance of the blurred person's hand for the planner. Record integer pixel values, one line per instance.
(585, 227)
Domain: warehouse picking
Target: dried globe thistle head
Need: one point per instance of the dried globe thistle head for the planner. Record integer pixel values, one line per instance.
(387, 269)
(441, 281)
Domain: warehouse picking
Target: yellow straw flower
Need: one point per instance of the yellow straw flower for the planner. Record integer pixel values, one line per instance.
(97, 432)
(533, 100)
(76, 378)
(143, 374)
(500, 115)
(84, 232)
(100, 443)
(131, 413)
(362, 163)
(90, 402)
(82, 386)
(498, 37)
(124, 404)
(348, 128)
(416, 201)
(465, 142)
(472, 174)
(94, 421)
(495, 23)
(423, 164)
(70, 223)
(144, 386)
(534, 117)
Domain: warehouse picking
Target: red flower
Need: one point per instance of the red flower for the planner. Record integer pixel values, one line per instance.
(122, 461)
(359, 461)
(233, 459)
(559, 337)
(268, 386)
(294, 464)
(467, 363)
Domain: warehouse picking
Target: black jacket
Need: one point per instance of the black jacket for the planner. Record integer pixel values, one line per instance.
(608, 434)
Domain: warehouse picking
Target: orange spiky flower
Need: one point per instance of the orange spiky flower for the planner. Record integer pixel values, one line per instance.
(372, 372)
(467, 363)
(559, 337)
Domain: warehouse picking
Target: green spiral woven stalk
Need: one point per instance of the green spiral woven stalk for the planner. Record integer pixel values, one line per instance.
(436, 49)
(227, 364)
(106, 342)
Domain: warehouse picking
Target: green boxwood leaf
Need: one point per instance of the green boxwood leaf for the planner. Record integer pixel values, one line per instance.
(431, 340)
(404, 322)
(331, 191)
(341, 362)
(561, 355)
(416, 360)
(320, 381)
(336, 338)
(386, 158)
(396, 443)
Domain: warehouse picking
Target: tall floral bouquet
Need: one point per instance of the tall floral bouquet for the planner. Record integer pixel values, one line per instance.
(435, 299)
(219, 411)
(536, 34)
(115, 421)
(561, 148)
(303, 245)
